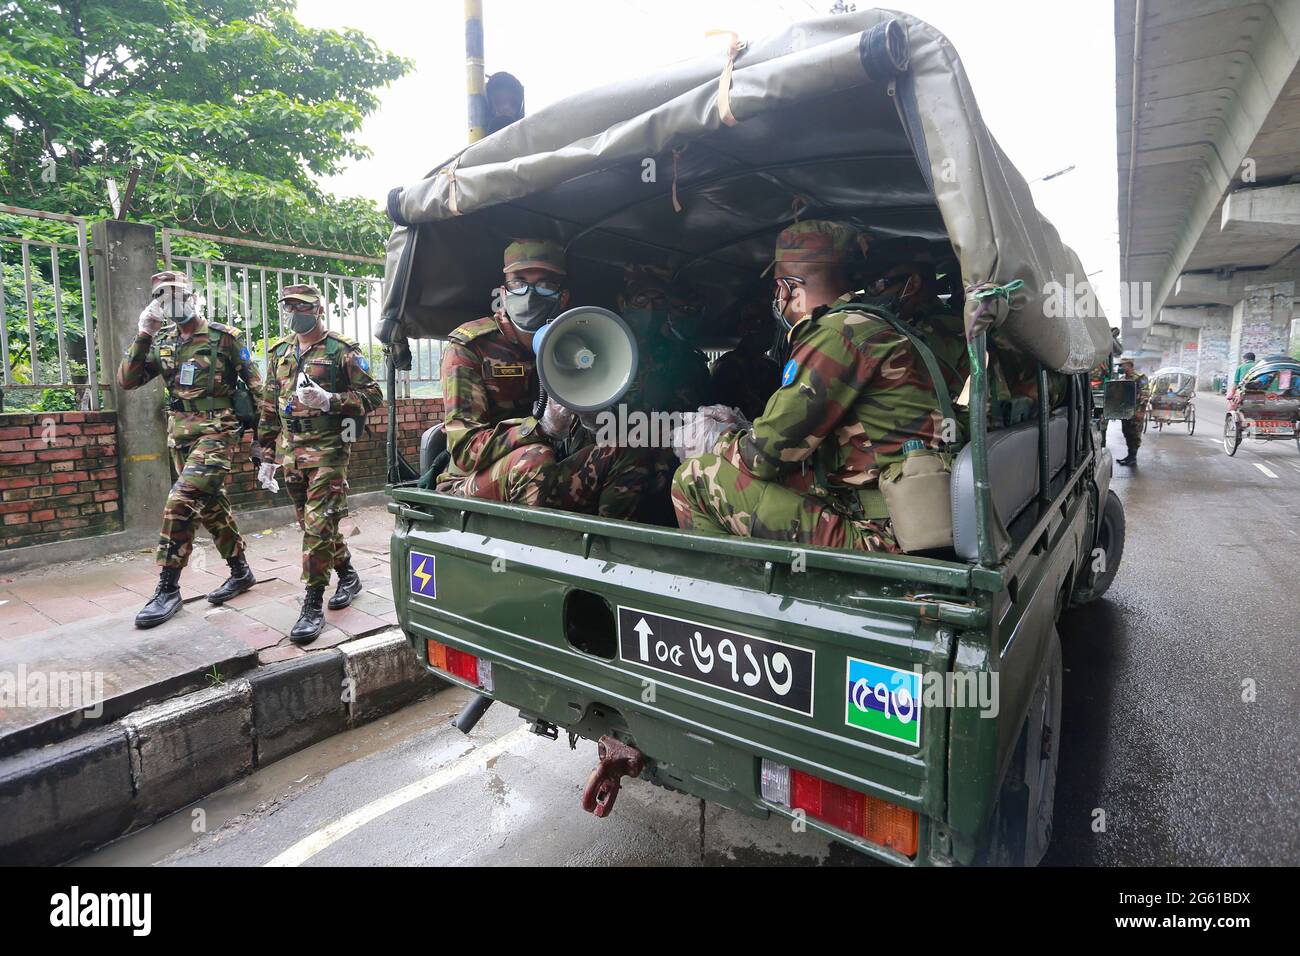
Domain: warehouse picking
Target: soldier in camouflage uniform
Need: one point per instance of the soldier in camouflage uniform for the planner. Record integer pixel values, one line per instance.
(746, 376)
(318, 392)
(200, 363)
(853, 392)
(500, 450)
(672, 375)
(1132, 427)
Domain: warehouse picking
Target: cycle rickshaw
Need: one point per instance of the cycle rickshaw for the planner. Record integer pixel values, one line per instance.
(1266, 404)
(1172, 401)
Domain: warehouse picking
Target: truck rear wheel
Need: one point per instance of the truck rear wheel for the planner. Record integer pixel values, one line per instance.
(1021, 830)
(1101, 568)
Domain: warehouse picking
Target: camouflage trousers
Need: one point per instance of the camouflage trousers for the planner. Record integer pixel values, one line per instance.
(320, 497)
(712, 495)
(1132, 429)
(199, 496)
(596, 479)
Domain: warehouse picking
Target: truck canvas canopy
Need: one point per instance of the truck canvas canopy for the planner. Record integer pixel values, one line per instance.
(866, 118)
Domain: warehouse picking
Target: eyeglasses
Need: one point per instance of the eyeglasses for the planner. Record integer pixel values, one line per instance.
(786, 284)
(546, 288)
(885, 282)
(297, 305)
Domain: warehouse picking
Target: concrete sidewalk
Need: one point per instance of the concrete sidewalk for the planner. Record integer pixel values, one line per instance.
(70, 654)
(105, 728)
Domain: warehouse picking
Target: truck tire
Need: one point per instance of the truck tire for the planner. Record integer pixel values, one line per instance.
(1021, 830)
(1110, 539)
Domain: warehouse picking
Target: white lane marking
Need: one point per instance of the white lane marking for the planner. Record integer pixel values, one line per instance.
(476, 759)
(1266, 470)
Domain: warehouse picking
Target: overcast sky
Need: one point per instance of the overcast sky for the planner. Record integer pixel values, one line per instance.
(1043, 72)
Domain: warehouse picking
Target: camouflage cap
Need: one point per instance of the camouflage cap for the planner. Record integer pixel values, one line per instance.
(302, 293)
(534, 254)
(162, 280)
(818, 240)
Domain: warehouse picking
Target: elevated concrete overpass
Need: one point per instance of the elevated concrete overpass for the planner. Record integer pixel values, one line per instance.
(1209, 178)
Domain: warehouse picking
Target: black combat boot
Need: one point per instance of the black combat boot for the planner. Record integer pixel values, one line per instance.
(240, 580)
(312, 618)
(349, 587)
(1130, 461)
(166, 600)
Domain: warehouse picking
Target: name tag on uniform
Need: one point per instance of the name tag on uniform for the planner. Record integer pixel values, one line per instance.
(186, 374)
(507, 371)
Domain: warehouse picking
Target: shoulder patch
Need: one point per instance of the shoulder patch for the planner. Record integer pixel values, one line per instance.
(789, 372)
(466, 333)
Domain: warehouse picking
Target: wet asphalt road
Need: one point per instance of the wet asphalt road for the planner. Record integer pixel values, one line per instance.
(1156, 734)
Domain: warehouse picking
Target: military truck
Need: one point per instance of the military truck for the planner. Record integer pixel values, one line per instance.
(908, 706)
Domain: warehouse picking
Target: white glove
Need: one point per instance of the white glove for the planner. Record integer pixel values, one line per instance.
(725, 414)
(697, 435)
(152, 318)
(556, 420)
(266, 477)
(313, 396)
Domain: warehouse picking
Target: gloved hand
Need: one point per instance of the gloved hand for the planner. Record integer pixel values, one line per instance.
(556, 420)
(697, 434)
(312, 395)
(725, 414)
(266, 477)
(152, 318)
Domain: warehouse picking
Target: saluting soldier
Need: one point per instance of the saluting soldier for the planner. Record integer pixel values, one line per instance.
(200, 363)
(318, 392)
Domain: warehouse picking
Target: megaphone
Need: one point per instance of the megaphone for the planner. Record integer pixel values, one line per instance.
(586, 358)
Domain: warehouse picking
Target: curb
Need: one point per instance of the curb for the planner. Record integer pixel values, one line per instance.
(72, 796)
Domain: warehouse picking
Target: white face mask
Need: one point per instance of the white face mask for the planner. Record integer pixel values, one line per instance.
(176, 305)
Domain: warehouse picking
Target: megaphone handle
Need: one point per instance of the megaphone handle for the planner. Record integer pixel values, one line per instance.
(539, 406)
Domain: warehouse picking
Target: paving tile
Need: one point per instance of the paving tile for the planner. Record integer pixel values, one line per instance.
(255, 634)
(353, 621)
(262, 593)
(329, 637)
(119, 600)
(67, 609)
(20, 625)
(372, 603)
(279, 615)
(281, 653)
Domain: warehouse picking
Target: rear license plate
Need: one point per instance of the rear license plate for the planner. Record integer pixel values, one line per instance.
(1272, 427)
(754, 667)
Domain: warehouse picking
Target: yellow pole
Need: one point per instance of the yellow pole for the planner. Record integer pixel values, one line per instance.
(474, 83)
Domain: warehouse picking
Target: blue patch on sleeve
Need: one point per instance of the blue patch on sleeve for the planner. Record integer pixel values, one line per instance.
(789, 372)
(245, 354)
(365, 366)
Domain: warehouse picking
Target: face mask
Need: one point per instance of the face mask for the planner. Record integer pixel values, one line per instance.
(178, 307)
(778, 313)
(530, 311)
(302, 322)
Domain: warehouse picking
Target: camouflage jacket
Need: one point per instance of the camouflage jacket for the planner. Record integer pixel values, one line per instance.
(489, 384)
(852, 379)
(745, 380)
(309, 437)
(173, 359)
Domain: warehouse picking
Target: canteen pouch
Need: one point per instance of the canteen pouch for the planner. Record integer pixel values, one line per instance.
(917, 491)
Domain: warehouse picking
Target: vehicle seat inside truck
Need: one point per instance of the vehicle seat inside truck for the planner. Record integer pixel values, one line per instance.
(1013, 476)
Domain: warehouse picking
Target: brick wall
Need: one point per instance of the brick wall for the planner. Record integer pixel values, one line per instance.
(368, 470)
(58, 477)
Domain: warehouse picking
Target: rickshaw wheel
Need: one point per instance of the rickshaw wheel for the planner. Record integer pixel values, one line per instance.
(1231, 435)
(1191, 420)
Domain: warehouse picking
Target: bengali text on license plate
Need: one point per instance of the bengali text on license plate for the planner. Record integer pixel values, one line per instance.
(770, 671)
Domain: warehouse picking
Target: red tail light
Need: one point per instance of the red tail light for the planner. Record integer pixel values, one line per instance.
(871, 818)
(461, 664)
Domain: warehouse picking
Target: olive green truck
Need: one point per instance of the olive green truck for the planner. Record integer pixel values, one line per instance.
(906, 705)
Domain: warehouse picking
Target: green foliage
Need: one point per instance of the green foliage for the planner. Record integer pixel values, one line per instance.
(229, 109)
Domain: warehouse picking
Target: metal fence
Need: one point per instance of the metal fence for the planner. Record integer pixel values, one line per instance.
(247, 296)
(47, 324)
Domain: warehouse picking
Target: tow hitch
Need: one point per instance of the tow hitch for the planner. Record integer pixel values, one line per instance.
(616, 759)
